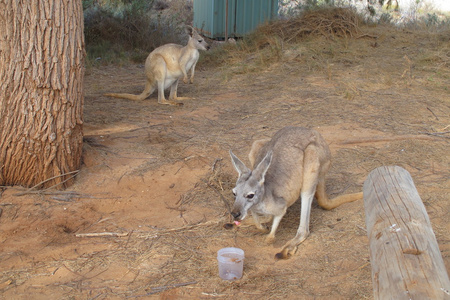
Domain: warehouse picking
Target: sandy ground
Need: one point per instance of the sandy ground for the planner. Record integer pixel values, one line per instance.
(156, 180)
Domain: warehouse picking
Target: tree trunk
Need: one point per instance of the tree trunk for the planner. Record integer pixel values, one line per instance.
(41, 91)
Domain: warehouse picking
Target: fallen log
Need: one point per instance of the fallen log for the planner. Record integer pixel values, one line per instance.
(404, 254)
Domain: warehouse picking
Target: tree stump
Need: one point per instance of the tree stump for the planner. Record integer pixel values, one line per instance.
(404, 254)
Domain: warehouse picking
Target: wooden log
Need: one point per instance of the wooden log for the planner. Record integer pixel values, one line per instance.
(404, 254)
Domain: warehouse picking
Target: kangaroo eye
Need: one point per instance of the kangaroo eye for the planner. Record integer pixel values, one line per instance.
(250, 196)
(200, 41)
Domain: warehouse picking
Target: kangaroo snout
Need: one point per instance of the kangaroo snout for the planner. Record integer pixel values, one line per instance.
(236, 215)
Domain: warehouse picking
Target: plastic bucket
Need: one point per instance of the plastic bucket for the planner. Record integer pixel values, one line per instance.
(231, 263)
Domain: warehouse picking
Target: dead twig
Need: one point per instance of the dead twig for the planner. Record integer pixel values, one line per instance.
(215, 163)
(164, 288)
(433, 113)
(227, 205)
(31, 190)
(437, 134)
(188, 227)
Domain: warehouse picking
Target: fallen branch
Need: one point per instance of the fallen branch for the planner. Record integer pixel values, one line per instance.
(378, 139)
(102, 234)
(143, 234)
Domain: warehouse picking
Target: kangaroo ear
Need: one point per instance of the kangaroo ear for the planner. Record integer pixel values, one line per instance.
(190, 30)
(260, 171)
(239, 165)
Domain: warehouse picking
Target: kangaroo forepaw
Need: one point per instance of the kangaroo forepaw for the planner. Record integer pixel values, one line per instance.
(185, 80)
(263, 229)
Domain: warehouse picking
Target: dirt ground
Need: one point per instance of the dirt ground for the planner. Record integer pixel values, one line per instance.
(156, 180)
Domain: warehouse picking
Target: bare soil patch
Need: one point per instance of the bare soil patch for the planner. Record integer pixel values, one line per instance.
(156, 180)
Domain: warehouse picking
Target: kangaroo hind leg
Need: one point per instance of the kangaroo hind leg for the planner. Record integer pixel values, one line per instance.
(311, 169)
(158, 72)
(173, 96)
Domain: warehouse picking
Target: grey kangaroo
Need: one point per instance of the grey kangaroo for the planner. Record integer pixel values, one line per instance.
(166, 65)
(292, 164)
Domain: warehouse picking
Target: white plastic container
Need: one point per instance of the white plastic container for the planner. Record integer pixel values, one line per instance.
(231, 263)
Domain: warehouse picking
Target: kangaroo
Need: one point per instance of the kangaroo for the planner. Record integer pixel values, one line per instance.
(291, 164)
(166, 65)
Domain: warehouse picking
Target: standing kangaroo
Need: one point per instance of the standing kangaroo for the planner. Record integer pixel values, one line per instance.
(291, 164)
(166, 65)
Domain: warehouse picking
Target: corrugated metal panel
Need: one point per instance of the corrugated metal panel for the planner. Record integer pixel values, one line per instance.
(251, 13)
(243, 16)
(210, 17)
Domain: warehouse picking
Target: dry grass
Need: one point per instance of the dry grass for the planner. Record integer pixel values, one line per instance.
(329, 22)
(290, 39)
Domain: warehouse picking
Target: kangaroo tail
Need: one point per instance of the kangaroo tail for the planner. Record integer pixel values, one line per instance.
(339, 200)
(147, 92)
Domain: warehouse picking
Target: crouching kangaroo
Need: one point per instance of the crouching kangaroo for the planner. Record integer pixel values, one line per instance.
(291, 164)
(166, 65)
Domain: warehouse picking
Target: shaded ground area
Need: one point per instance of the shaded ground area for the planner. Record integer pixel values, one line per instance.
(156, 180)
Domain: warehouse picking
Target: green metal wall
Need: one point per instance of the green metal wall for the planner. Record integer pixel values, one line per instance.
(243, 16)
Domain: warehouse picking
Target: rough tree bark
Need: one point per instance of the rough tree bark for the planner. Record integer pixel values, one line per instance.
(41, 91)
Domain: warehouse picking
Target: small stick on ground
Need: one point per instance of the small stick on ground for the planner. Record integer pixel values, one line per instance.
(164, 288)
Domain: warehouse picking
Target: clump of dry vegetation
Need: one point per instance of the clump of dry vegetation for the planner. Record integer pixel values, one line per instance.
(279, 41)
(319, 38)
(328, 21)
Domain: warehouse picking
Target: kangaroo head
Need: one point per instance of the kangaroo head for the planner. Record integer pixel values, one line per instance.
(196, 40)
(249, 189)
